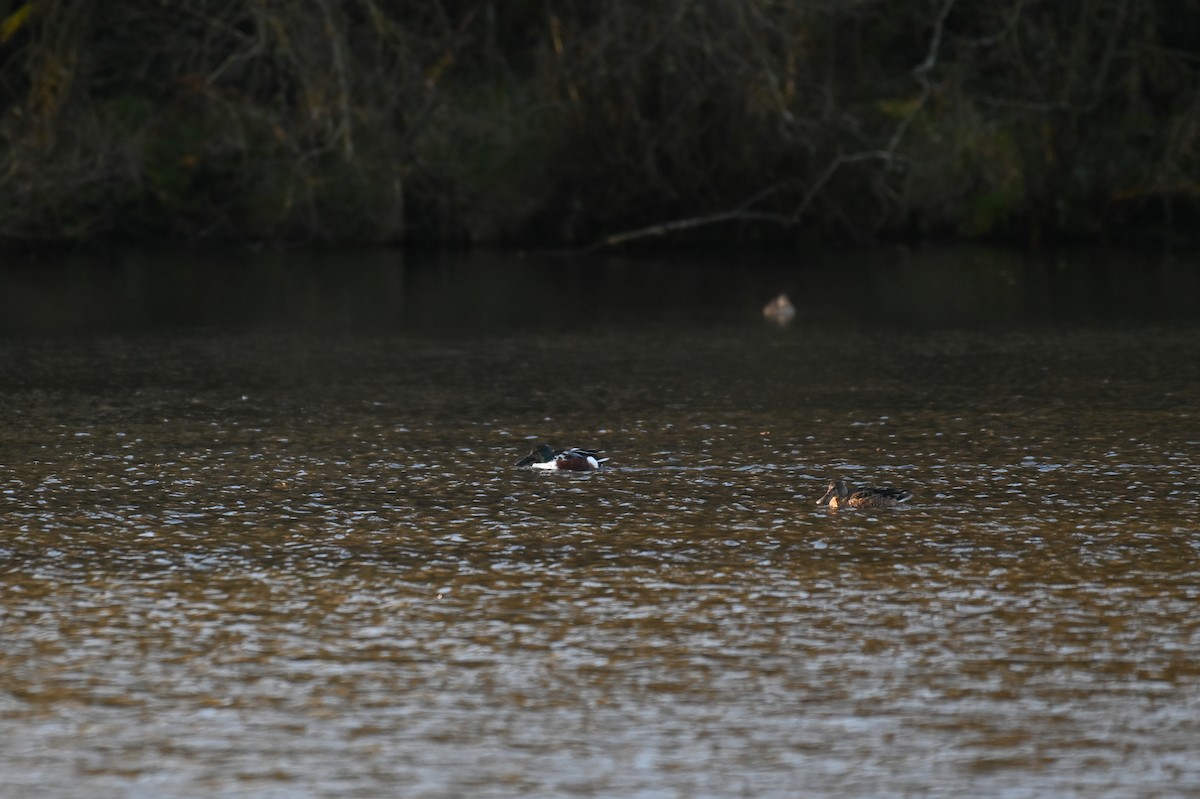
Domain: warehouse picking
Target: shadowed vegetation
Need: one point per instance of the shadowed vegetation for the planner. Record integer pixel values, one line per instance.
(580, 123)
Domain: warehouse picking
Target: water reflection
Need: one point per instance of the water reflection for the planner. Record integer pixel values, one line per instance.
(475, 293)
(261, 555)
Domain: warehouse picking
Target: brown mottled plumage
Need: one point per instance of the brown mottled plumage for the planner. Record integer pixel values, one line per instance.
(840, 494)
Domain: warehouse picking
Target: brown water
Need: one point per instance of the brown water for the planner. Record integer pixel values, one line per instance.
(261, 537)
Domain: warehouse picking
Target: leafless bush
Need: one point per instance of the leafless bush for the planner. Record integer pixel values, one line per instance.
(601, 123)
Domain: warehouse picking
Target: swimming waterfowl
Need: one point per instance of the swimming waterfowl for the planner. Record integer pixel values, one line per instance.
(840, 494)
(574, 459)
(780, 310)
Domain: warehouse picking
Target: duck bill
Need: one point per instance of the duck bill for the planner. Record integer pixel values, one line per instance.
(830, 494)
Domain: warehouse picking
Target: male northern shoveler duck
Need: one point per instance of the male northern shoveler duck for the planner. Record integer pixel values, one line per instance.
(574, 459)
(840, 495)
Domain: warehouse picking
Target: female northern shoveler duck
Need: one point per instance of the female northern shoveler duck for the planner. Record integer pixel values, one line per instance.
(841, 495)
(572, 460)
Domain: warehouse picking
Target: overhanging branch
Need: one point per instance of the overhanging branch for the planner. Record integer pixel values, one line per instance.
(746, 213)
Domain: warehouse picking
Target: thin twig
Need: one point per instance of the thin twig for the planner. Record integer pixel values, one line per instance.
(921, 73)
(686, 224)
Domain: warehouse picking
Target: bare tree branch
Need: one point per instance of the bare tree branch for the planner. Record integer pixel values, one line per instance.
(744, 212)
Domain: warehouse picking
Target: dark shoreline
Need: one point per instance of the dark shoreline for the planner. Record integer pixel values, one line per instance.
(551, 126)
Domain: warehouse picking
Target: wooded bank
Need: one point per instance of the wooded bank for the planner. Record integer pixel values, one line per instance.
(564, 122)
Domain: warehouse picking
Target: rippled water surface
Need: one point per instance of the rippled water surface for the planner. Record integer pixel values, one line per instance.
(261, 535)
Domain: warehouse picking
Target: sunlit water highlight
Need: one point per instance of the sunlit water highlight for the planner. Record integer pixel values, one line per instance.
(263, 561)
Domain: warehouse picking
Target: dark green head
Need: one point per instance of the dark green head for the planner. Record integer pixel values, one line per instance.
(542, 453)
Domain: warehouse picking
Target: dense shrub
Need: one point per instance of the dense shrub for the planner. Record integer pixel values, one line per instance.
(571, 122)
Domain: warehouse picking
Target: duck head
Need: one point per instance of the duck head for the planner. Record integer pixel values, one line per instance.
(835, 493)
(542, 453)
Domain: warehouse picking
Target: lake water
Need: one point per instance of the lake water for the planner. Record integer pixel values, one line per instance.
(261, 534)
